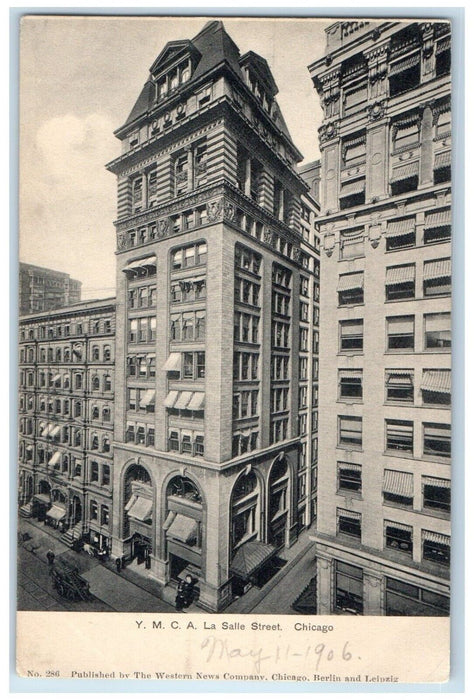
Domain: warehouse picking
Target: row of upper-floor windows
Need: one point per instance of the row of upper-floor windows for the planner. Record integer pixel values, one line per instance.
(78, 380)
(434, 388)
(65, 330)
(65, 407)
(97, 353)
(74, 437)
(399, 436)
(400, 333)
(400, 282)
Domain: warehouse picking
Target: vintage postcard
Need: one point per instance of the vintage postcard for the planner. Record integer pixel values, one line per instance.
(234, 349)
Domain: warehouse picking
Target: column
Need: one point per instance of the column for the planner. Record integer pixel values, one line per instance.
(426, 147)
(323, 583)
(373, 593)
(376, 185)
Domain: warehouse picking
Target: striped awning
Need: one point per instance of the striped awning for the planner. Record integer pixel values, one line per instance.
(404, 171)
(183, 399)
(144, 262)
(400, 378)
(443, 45)
(438, 380)
(47, 430)
(437, 269)
(141, 508)
(56, 377)
(349, 514)
(436, 537)
(170, 400)
(398, 526)
(56, 513)
(350, 374)
(436, 219)
(400, 227)
(353, 187)
(173, 363)
(197, 401)
(148, 398)
(55, 431)
(54, 459)
(400, 275)
(442, 160)
(350, 465)
(436, 481)
(404, 64)
(182, 528)
(354, 280)
(250, 557)
(398, 483)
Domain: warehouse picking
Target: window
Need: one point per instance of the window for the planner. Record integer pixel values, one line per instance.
(93, 510)
(437, 439)
(350, 432)
(443, 58)
(104, 515)
(94, 472)
(436, 547)
(436, 494)
(354, 150)
(400, 234)
(348, 523)
(400, 282)
(398, 488)
(404, 74)
(350, 384)
(406, 134)
(105, 475)
(403, 599)
(349, 594)
(436, 387)
(351, 244)
(437, 331)
(398, 536)
(399, 436)
(437, 277)
(349, 477)
(400, 332)
(399, 386)
(350, 289)
(437, 226)
(351, 335)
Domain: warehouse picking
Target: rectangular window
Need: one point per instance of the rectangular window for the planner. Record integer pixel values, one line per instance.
(351, 244)
(350, 431)
(400, 332)
(399, 386)
(350, 384)
(436, 547)
(349, 585)
(437, 226)
(398, 536)
(400, 282)
(398, 488)
(399, 436)
(349, 477)
(403, 599)
(437, 331)
(436, 387)
(437, 277)
(436, 494)
(437, 439)
(349, 523)
(351, 335)
(350, 289)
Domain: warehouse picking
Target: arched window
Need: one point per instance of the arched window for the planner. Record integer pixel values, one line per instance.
(95, 353)
(106, 414)
(77, 409)
(107, 383)
(95, 383)
(95, 442)
(78, 381)
(58, 354)
(278, 501)
(182, 487)
(93, 510)
(245, 510)
(95, 412)
(66, 382)
(105, 444)
(107, 353)
(77, 438)
(43, 355)
(67, 355)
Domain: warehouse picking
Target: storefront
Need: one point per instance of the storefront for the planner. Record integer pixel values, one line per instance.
(183, 528)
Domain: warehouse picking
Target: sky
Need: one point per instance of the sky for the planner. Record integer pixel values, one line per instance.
(79, 79)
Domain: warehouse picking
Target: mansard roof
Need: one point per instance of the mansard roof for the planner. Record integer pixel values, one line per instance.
(262, 69)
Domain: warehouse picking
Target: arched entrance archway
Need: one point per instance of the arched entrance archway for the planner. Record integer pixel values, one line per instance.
(279, 502)
(138, 513)
(42, 500)
(183, 527)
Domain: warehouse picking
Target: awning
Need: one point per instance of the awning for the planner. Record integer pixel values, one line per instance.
(173, 363)
(136, 264)
(197, 401)
(54, 459)
(29, 448)
(353, 187)
(400, 379)
(435, 537)
(437, 269)
(400, 275)
(183, 528)
(169, 520)
(55, 431)
(354, 280)
(436, 219)
(400, 227)
(404, 64)
(56, 513)
(350, 374)
(56, 377)
(148, 398)
(170, 400)
(398, 526)
(404, 171)
(436, 481)
(47, 429)
(349, 514)
(43, 497)
(443, 45)
(130, 502)
(442, 160)
(250, 557)
(350, 465)
(398, 483)
(438, 380)
(183, 399)
(141, 508)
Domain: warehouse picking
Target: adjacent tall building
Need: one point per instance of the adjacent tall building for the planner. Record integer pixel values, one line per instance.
(215, 323)
(66, 400)
(42, 289)
(383, 532)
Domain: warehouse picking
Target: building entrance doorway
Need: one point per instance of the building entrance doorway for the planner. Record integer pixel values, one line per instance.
(141, 548)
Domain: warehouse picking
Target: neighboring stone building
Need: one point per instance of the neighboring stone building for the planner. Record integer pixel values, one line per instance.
(383, 531)
(66, 399)
(214, 329)
(42, 289)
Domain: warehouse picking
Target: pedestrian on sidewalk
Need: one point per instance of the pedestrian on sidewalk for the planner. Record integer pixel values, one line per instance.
(188, 590)
(118, 564)
(50, 557)
(180, 601)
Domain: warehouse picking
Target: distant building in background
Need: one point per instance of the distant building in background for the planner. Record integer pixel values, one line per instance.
(42, 289)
